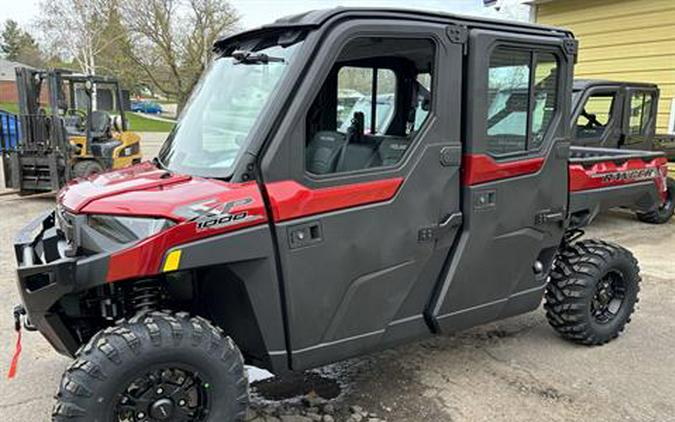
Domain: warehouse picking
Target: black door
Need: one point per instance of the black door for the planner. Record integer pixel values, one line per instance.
(364, 186)
(514, 184)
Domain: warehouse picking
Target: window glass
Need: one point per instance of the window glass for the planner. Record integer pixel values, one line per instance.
(218, 120)
(595, 116)
(508, 98)
(636, 112)
(522, 99)
(358, 84)
(647, 112)
(545, 97)
(368, 110)
(423, 100)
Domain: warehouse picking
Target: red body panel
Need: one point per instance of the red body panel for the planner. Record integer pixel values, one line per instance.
(144, 190)
(481, 168)
(289, 199)
(608, 173)
(145, 258)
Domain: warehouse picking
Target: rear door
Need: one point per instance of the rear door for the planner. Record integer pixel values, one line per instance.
(514, 184)
(363, 184)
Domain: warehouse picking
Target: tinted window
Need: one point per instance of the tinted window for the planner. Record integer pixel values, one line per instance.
(522, 99)
(545, 97)
(641, 104)
(508, 96)
(368, 110)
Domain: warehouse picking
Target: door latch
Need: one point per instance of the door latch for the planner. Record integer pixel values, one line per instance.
(427, 234)
(549, 216)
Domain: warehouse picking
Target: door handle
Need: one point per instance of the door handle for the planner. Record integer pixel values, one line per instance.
(304, 234)
(549, 216)
(428, 234)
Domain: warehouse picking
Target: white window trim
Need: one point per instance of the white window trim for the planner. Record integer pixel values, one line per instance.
(671, 120)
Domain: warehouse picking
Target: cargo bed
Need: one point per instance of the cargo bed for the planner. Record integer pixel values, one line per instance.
(603, 178)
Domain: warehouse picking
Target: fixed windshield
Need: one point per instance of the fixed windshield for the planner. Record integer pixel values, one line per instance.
(216, 125)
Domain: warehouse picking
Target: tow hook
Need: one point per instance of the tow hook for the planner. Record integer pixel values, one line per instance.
(19, 313)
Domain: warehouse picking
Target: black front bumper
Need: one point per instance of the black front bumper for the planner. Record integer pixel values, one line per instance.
(46, 275)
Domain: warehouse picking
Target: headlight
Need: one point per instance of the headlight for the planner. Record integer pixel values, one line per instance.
(127, 229)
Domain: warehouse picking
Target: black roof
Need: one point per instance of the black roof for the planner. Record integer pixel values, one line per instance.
(316, 18)
(582, 84)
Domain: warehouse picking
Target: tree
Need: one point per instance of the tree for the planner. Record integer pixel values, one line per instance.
(171, 40)
(18, 45)
(77, 30)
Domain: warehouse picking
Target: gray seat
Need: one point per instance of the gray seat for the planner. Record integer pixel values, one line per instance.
(324, 151)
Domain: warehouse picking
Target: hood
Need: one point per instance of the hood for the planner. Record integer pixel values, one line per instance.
(145, 190)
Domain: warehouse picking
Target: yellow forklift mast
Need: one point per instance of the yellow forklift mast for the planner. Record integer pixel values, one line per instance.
(70, 136)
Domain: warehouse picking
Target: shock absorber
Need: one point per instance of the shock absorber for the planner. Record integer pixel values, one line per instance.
(146, 295)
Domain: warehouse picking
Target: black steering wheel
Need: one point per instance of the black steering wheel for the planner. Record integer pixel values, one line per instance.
(593, 121)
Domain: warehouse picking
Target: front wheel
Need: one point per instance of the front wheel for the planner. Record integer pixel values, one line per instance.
(592, 293)
(87, 168)
(155, 367)
(664, 213)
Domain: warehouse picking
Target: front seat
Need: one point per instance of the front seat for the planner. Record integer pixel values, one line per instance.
(100, 125)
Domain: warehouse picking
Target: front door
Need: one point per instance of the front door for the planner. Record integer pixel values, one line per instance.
(596, 120)
(364, 187)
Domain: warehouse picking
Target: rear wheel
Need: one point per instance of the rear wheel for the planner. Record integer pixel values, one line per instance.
(664, 212)
(155, 367)
(592, 293)
(87, 168)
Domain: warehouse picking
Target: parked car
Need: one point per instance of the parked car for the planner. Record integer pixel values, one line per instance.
(147, 107)
(622, 115)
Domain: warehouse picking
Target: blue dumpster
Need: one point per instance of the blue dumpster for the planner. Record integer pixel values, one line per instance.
(9, 130)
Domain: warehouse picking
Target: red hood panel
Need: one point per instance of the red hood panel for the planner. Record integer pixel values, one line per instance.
(145, 190)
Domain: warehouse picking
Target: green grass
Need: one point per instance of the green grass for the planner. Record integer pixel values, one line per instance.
(136, 123)
(11, 107)
(141, 124)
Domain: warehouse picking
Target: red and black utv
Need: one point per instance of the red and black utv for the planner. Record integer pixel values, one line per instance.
(339, 183)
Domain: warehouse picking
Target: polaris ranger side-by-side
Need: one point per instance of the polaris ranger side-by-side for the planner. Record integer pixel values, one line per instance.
(266, 232)
(622, 115)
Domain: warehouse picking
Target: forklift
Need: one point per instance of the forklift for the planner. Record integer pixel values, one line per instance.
(69, 137)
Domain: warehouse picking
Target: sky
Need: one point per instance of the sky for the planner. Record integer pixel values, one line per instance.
(258, 12)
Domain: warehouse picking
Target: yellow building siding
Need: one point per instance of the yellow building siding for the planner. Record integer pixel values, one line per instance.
(632, 40)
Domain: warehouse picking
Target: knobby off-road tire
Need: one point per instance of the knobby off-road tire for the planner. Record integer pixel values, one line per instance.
(163, 366)
(665, 212)
(592, 293)
(86, 168)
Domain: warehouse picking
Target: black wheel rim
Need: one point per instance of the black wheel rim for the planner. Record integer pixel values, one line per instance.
(170, 393)
(609, 297)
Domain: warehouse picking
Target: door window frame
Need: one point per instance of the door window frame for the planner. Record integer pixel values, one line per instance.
(534, 51)
(476, 97)
(615, 112)
(415, 141)
(636, 138)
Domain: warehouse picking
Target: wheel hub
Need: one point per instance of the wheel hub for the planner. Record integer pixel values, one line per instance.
(165, 394)
(608, 299)
(162, 409)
